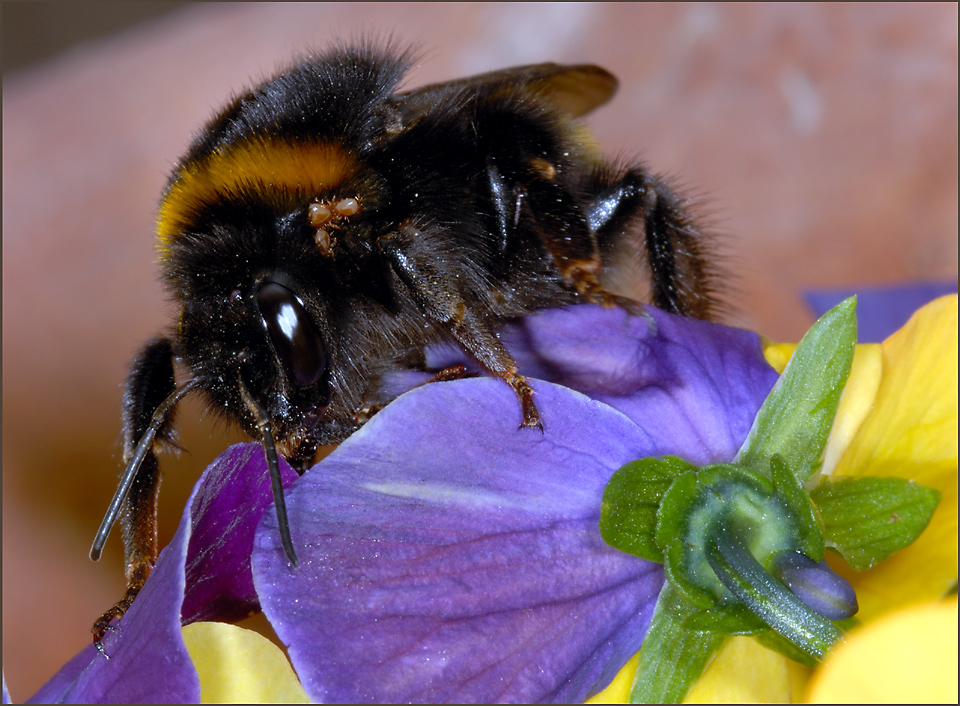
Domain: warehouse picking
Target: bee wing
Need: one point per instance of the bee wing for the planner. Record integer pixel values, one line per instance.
(574, 90)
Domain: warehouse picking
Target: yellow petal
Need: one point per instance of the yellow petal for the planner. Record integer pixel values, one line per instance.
(857, 400)
(911, 432)
(909, 656)
(619, 690)
(744, 671)
(239, 666)
(897, 416)
(778, 354)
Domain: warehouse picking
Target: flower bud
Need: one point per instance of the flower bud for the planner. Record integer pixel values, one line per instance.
(822, 589)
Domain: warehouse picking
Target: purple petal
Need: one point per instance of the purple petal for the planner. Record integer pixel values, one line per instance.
(453, 556)
(693, 386)
(211, 554)
(445, 554)
(822, 589)
(881, 311)
(226, 508)
(148, 660)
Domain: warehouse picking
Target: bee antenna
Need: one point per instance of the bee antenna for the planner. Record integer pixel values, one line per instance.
(273, 463)
(130, 472)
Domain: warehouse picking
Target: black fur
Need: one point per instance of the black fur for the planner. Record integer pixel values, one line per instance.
(479, 200)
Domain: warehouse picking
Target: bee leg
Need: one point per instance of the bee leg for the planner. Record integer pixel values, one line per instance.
(557, 218)
(507, 203)
(150, 388)
(135, 581)
(366, 412)
(673, 244)
(454, 372)
(483, 344)
(442, 302)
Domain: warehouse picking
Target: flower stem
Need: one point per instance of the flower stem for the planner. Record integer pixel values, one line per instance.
(672, 658)
(769, 599)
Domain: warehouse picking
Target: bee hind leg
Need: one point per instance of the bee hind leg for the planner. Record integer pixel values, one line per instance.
(673, 245)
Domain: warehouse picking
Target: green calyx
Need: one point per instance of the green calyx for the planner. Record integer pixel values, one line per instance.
(735, 502)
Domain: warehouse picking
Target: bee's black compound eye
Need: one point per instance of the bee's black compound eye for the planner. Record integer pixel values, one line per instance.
(294, 337)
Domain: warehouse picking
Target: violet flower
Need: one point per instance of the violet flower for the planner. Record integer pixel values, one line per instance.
(445, 554)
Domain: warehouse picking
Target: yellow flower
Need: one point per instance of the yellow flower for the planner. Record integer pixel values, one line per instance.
(906, 397)
(744, 671)
(240, 666)
(909, 430)
(906, 656)
(897, 417)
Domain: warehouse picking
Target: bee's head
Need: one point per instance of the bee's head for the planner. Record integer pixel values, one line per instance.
(257, 347)
(256, 239)
(253, 330)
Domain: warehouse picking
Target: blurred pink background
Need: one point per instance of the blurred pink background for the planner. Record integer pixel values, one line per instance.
(822, 138)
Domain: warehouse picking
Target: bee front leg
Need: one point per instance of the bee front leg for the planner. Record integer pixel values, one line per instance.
(441, 300)
(150, 390)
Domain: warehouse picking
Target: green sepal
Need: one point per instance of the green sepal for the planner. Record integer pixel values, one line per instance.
(671, 657)
(766, 596)
(797, 416)
(724, 478)
(687, 511)
(690, 574)
(628, 513)
(797, 500)
(868, 519)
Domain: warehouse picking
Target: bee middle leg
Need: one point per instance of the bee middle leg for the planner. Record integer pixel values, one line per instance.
(453, 372)
(576, 233)
(557, 218)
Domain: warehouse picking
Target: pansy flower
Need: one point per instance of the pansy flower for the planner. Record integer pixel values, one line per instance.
(897, 417)
(447, 557)
(445, 554)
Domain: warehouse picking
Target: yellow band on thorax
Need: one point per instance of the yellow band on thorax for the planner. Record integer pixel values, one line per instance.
(284, 168)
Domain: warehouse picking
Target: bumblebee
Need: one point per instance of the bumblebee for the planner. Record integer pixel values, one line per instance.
(322, 229)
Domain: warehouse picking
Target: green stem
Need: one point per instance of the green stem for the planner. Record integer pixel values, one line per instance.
(769, 599)
(672, 658)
